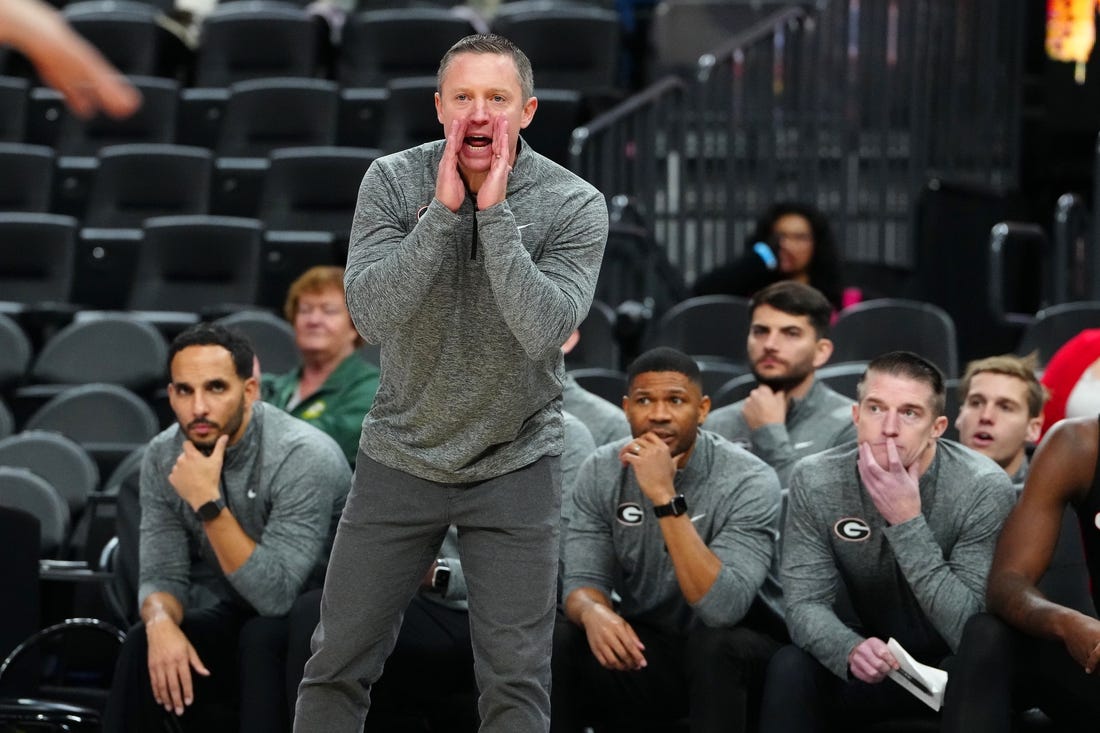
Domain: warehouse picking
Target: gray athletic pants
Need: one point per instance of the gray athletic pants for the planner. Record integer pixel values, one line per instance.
(388, 536)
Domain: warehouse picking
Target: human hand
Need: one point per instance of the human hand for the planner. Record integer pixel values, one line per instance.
(196, 476)
(65, 61)
(450, 189)
(871, 661)
(171, 659)
(495, 187)
(1081, 635)
(894, 489)
(765, 406)
(612, 640)
(653, 465)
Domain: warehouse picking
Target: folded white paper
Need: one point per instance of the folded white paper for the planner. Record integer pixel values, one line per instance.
(927, 684)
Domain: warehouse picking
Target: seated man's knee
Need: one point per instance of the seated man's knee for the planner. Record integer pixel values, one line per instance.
(986, 634)
(706, 645)
(791, 668)
(263, 634)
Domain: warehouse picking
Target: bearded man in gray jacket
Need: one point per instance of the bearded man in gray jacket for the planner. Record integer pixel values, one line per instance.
(788, 415)
(681, 524)
(239, 502)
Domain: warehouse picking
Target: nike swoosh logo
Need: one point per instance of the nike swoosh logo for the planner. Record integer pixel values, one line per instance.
(803, 444)
(698, 516)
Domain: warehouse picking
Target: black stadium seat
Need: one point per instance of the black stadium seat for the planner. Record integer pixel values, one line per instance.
(37, 255)
(707, 327)
(314, 188)
(133, 183)
(108, 421)
(256, 39)
(272, 339)
(188, 263)
(126, 33)
(571, 46)
(868, 329)
(26, 491)
(13, 108)
(26, 183)
(381, 45)
(154, 121)
(59, 460)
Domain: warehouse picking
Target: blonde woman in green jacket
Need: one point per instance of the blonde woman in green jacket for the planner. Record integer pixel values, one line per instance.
(334, 387)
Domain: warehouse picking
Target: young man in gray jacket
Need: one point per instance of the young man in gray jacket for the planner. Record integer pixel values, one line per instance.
(788, 415)
(907, 523)
(682, 525)
(471, 261)
(239, 502)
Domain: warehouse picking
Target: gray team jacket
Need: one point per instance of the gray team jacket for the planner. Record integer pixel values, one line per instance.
(919, 581)
(471, 309)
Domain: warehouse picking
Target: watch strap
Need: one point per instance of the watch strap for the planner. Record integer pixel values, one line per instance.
(674, 508)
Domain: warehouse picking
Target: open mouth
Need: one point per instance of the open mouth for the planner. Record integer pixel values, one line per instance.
(477, 142)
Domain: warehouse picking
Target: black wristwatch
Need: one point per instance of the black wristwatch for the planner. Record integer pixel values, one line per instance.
(674, 508)
(211, 509)
(441, 576)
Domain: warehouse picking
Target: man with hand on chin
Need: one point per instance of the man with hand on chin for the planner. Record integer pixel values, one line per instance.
(239, 502)
(681, 524)
(471, 260)
(909, 530)
(788, 415)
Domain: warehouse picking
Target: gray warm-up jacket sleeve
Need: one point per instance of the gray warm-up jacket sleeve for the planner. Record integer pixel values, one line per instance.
(545, 298)
(165, 562)
(588, 549)
(296, 530)
(386, 280)
(952, 589)
(745, 543)
(810, 580)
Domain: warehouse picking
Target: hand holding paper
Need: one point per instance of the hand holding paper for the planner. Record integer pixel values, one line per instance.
(926, 683)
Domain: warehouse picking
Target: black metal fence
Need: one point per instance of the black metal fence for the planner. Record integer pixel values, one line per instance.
(850, 106)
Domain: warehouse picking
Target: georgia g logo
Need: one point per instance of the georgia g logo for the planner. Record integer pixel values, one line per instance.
(629, 513)
(851, 529)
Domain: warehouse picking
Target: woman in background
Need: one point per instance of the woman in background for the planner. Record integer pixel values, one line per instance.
(334, 387)
(791, 241)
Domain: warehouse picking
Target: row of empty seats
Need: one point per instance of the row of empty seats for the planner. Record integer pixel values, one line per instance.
(251, 118)
(190, 263)
(253, 39)
(125, 349)
(309, 188)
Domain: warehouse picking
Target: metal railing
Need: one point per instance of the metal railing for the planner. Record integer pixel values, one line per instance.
(849, 107)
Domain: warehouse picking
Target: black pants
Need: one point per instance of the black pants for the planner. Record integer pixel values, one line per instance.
(801, 695)
(711, 676)
(999, 670)
(214, 633)
(429, 673)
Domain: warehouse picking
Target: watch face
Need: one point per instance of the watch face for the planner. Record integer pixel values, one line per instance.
(210, 510)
